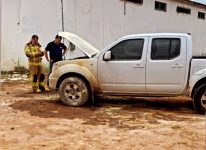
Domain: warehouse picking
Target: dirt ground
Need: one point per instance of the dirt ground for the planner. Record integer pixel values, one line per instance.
(40, 121)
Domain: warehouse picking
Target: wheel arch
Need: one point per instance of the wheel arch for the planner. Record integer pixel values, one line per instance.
(198, 84)
(70, 74)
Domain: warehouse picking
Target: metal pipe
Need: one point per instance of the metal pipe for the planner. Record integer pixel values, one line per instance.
(62, 13)
(19, 13)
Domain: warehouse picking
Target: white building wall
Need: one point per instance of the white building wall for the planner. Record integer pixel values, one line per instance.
(20, 22)
(0, 32)
(100, 22)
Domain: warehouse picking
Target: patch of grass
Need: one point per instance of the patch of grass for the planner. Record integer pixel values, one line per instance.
(21, 70)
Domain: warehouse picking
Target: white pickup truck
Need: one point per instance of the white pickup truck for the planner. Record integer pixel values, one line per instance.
(140, 65)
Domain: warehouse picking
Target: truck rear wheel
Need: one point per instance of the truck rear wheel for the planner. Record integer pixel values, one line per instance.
(199, 99)
(74, 91)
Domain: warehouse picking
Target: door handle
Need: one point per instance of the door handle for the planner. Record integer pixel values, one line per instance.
(138, 66)
(177, 66)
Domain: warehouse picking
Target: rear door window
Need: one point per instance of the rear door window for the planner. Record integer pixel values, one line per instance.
(165, 48)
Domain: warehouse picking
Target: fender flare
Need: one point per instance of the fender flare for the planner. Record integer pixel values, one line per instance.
(196, 80)
(81, 71)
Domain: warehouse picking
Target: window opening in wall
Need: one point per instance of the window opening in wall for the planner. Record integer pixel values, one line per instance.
(160, 6)
(135, 1)
(183, 10)
(140, 2)
(201, 15)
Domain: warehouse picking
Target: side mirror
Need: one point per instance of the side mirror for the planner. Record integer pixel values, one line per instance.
(71, 46)
(107, 56)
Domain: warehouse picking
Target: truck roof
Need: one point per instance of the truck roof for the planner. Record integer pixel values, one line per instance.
(158, 34)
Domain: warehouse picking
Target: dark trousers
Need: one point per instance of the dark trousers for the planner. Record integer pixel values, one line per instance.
(50, 70)
(50, 67)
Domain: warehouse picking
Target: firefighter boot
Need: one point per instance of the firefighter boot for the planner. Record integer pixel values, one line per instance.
(42, 84)
(34, 83)
(34, 87)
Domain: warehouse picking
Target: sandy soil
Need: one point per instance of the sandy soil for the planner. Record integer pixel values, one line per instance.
(40, 121)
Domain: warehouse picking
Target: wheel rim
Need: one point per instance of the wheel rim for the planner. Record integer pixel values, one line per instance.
(75, 91)
(203, 100)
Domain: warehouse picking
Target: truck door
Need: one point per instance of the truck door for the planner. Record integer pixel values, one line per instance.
(125, 72)
(166, 65)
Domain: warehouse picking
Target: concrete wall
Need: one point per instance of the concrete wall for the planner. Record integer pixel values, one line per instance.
(0, 38)
(0, 35)
(100, 22)
(22, 19)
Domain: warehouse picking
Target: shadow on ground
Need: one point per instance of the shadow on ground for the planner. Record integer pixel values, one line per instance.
(117, 112)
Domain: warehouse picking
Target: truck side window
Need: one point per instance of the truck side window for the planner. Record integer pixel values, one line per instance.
(128, 50)
(165, 48)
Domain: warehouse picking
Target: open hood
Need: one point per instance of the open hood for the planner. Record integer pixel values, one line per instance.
(83, 45)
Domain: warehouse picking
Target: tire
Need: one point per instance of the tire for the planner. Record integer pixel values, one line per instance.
(199, 99)
(74, 91)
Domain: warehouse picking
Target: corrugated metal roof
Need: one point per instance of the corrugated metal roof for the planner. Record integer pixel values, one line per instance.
(195, 2)
(200, 2)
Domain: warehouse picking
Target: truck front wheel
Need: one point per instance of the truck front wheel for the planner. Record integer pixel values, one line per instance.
(74, 91)
(199, 99)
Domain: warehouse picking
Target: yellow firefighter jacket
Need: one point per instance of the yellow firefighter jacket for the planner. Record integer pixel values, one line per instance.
(33, 53)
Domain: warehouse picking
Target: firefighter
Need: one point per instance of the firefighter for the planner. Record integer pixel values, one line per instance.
(36, 69)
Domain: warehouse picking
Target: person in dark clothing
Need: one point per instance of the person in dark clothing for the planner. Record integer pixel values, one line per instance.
(56, 51)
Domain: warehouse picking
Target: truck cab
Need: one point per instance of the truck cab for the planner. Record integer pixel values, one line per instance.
(152, 64)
